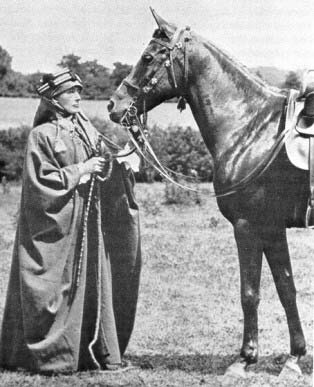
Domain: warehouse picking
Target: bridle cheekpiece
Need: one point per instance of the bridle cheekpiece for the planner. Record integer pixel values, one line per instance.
(179, 41)
(132, 122)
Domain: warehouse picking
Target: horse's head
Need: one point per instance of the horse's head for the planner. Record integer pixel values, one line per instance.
(160, 74)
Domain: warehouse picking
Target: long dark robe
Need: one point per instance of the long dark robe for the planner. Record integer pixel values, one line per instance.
(62, 314)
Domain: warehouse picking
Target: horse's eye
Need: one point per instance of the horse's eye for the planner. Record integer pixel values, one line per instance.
(147, 58)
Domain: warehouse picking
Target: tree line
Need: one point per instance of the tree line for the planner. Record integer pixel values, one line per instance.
(180, 149)
(99, 81)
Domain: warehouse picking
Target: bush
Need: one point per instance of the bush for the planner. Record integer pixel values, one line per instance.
(180, 149)
(115, 132)
(12, 148)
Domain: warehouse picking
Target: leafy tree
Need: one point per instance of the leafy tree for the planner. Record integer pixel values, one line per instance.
(99, 82)
(5, 62)
(119, 72)
(72, 62)
(14, 84)
(95, 77)
(292, 81)
(33, 80)
(96, 80)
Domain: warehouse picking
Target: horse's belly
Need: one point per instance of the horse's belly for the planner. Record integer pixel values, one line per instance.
(278, 197)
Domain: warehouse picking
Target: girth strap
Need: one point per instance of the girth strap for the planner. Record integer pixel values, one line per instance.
(312, 171)
(309, 221)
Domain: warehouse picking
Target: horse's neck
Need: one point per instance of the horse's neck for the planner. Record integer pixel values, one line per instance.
(235, 112)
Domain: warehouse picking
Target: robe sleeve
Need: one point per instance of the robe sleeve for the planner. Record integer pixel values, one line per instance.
(48, 188)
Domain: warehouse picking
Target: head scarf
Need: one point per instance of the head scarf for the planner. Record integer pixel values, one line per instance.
(51, 86)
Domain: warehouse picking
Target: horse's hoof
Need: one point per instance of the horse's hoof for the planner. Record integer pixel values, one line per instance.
(236, 369)
(291, 369)
(234, 373)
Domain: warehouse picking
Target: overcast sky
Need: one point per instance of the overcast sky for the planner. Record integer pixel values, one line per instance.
(37, 33)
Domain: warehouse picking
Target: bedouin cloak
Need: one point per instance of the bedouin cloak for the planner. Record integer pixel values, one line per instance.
(57, 320)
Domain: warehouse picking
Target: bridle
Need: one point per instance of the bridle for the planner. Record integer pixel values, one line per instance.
(179, 41)
(132, 122)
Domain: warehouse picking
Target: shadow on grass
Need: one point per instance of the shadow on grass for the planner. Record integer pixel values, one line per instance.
(215, 364)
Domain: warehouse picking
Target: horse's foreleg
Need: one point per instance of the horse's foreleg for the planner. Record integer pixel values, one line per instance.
(277, 254)
(250, 251)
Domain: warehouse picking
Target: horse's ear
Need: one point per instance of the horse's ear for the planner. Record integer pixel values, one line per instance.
(163, 25)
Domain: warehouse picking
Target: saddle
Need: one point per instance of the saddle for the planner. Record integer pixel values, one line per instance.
(300, 139)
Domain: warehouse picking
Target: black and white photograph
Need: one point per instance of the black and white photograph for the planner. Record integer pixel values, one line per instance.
(156, 193)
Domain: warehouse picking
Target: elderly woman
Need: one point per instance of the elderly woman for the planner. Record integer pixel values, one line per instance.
(74, 279)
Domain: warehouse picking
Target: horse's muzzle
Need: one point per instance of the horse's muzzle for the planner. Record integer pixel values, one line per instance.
(114, 113)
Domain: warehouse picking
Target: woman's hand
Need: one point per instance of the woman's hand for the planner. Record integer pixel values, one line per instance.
(93, 165)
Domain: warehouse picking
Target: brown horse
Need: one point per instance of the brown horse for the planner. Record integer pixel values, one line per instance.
(241, 120)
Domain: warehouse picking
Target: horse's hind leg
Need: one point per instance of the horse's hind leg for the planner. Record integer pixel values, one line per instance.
(277, 254)
(250, 251)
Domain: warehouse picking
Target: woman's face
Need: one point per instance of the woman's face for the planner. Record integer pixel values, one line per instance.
(70, 100)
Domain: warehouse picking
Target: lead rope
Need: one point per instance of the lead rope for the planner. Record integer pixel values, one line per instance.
(78, 271)
(99, 267)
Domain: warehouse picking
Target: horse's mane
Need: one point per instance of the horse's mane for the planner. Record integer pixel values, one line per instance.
(243, 75)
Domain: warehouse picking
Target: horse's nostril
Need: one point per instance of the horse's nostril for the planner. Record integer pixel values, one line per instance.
(110, 105)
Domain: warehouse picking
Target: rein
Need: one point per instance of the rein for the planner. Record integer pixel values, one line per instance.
(132, 122)
(139, 139)
(138, 135)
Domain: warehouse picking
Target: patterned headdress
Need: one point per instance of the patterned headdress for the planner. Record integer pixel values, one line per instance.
(55, 84)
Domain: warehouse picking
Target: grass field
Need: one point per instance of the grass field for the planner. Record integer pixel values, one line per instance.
(189, 321)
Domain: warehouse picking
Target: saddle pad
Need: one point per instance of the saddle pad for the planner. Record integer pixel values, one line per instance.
(297, 146)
